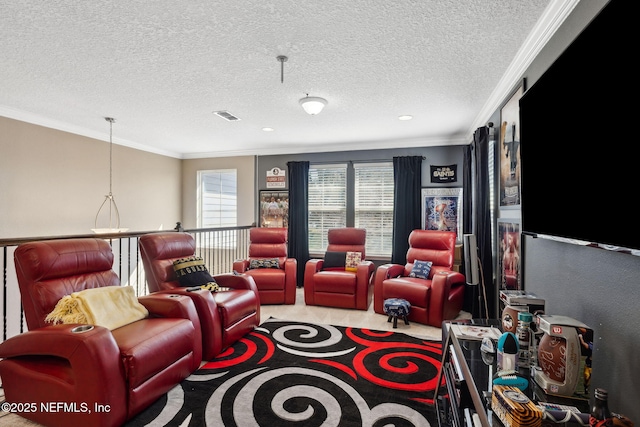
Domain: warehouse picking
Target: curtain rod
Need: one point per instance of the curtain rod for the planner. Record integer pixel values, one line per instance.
(330, 162)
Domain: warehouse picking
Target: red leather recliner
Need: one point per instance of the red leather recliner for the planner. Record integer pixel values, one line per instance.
(225, 317)
(433, 300)
(120, 371)
(275, 285)
(340, 288)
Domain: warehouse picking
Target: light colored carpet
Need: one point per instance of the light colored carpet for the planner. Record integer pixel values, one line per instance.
(347, 317)
(303, 313)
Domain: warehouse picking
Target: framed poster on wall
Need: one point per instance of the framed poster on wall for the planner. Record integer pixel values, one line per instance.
(442, 210)
(509, 148)
(509, 254)
(274, 208)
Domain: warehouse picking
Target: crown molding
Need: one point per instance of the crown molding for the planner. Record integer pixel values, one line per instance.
(324, 148)
(38, 120)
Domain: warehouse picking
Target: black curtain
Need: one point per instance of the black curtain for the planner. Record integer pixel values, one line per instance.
(471, 292)
(407, 214)
(483, 218)
(467, 190)
(298, 245)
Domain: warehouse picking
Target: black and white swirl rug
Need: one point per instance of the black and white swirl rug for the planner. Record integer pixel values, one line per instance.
(300, 374)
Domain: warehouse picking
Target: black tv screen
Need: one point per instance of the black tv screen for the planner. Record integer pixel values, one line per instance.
(578, 139)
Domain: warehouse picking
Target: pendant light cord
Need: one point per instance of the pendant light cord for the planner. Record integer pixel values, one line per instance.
(113, 208)
(282, 59)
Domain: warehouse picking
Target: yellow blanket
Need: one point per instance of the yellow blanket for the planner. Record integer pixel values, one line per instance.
(109, 306)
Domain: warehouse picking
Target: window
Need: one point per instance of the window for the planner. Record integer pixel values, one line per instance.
(217, 203)
(327, 203)
(346, 195)
(373, 207)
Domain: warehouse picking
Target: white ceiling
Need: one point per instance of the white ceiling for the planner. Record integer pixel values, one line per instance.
(161, 68)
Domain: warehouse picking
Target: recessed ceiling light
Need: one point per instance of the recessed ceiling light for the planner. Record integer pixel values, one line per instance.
(405, 117)
(268, 129)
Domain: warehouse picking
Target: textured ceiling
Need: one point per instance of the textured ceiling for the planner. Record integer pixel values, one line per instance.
(161, 68)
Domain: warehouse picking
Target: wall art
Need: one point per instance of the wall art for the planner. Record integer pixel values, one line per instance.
(509, 254)
(442, 210)
(274, 208)
(509, 149)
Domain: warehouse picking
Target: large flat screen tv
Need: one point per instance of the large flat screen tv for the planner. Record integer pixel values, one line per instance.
(579, 164)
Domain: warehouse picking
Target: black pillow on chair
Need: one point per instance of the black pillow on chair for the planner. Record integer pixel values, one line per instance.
(191, 272)
(334, 260)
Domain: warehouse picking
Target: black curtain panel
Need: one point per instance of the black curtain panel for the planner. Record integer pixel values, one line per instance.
(467, 194)
(470, 294)
(483, 216)
(407, 214)
(298, 245)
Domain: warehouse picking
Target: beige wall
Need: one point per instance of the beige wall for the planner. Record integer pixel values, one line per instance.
(53, 182)
(246, 186)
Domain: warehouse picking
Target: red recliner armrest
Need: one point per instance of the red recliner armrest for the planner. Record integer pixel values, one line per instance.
(364, 271)
(311, 267)
(66, 366)
(441, 286)
(241, 265)
(383, 272)
(239, 281)
(291, 281)
(236, 281)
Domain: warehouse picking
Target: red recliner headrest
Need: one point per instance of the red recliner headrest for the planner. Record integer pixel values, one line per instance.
(169, 245)
(268, 243)
(48, 270)
(347, 239)
(158, 251)
(268, 235)
(52, 259)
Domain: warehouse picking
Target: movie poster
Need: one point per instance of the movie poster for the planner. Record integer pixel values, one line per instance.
(442, 210)
(509, 254)
(509, 149)
(274, 209)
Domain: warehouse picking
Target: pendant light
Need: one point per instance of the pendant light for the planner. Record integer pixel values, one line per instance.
(109, 203)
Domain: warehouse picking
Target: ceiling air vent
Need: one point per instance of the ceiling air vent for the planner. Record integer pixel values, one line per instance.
(226, 115)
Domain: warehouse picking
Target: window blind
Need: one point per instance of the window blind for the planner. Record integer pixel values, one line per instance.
(217, 201)
(327, 203)
(374, 205)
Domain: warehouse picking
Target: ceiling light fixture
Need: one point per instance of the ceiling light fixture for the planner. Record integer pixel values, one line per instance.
(312, 104)
(405, 117)
(113, 208)
(282, 60)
